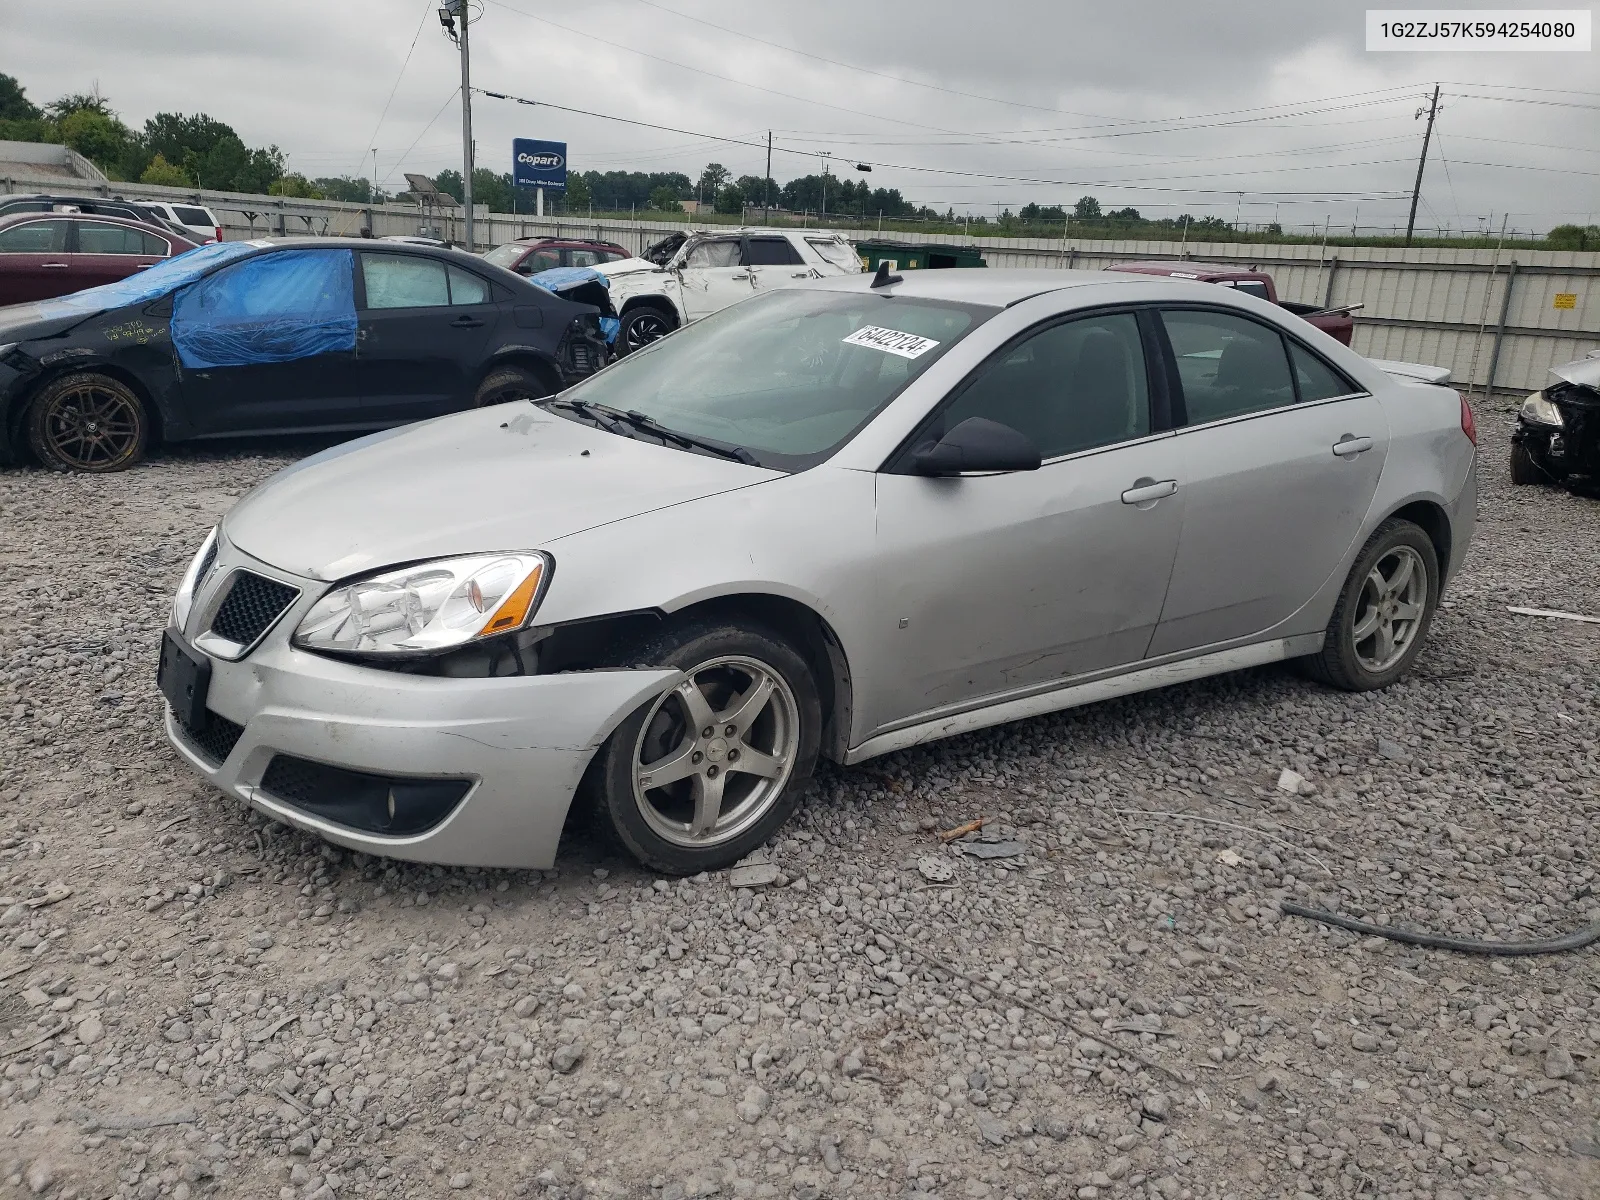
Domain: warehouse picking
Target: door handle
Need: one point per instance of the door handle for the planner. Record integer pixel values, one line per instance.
(801, 275)
(465, 322)
(740, 275)
(1350, 445)
(54, 266)
(1145, 490)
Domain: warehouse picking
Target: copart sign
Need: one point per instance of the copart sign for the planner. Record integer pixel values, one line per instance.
(538, 164)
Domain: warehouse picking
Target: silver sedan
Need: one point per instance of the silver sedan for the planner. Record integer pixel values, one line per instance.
(836, 520)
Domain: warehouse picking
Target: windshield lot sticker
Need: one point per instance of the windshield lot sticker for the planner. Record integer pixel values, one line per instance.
(891, 341)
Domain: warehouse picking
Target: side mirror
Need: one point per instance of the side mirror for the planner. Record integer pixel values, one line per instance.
(977, 444)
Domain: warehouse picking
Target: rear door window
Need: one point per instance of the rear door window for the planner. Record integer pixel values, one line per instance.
(195, 216)
(583, 258)
(397, 281)
(771, 252)
(1315, 378)
(467, 288)
(1229, 365)
(34, 237)
(100, 237)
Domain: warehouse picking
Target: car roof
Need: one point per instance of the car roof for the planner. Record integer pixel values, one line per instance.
(20, 217)
(996, 287)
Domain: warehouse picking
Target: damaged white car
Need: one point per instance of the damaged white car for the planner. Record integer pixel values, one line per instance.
(691, 275)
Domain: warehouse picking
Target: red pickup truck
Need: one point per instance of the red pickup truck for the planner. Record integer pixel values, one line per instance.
(1336, 322)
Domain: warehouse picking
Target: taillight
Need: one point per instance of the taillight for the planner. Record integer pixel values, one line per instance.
(1469, 424)
(219, 233)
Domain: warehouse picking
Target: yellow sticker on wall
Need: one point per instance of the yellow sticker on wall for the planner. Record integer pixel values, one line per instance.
(1566, 300)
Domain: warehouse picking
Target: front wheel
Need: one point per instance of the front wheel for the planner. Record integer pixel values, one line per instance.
(706, 772)
(88, 422)
(1382, 617)
(641, 326)
(505, 384)
(1526, 467)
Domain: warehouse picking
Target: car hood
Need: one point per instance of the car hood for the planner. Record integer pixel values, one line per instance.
(1585, 372)
(628, 266)
(509, 477)
(30, 322)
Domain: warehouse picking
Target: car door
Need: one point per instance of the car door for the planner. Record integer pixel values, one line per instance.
(105, 252)
(714, 276)
(1047, 574)
(33, 261)
(269, 343)
(1281, 466)
(773, 263)
(424, 327)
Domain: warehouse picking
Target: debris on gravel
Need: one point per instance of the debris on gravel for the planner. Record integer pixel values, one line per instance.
(1103, 1001)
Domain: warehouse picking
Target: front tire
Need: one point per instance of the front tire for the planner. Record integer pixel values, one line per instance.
(642, 325)
(702, 775)
(88, 422)
(505, 384)
(1382, 618)
(1526, 468)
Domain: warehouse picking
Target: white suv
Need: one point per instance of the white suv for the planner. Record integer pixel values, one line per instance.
(198, 222)
(688, 275)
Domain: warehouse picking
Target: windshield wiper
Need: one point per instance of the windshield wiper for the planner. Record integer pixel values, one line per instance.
(614, 420)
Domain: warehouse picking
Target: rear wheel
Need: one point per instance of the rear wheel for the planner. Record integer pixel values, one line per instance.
(1382, 617)
(706, 772)
(505, 384)
(88, 422)
(1526, 468)
(641, 326)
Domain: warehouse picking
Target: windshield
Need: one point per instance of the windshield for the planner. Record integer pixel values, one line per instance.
(789, 376)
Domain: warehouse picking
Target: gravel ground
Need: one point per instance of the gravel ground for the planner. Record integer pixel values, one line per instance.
(197, 1003)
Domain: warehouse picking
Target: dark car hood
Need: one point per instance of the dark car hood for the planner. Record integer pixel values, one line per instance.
(508, 477)
(29, 322)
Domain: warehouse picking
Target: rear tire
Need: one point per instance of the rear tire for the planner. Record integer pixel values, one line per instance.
(1526, 469)
(88, 422)
(1382, 618)
(509, 383)
(702, 775)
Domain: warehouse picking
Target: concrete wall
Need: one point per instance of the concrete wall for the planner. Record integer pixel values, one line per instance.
(1469, 310)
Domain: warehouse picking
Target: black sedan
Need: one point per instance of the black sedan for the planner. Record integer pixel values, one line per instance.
(278, 336)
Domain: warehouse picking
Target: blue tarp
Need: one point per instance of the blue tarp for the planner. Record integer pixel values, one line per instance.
(274, 308)
(144, 286)
(557, 279)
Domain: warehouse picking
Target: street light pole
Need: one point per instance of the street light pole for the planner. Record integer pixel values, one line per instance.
(461, 7)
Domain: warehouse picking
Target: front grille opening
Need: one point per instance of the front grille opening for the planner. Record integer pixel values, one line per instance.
(372, 803)
(215, 738)
(252, 605)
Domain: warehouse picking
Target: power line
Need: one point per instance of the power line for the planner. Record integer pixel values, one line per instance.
(901, 166)
(453, 94)
(427, 8)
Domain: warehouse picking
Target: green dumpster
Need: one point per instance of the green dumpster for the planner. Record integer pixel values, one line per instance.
(913, 256)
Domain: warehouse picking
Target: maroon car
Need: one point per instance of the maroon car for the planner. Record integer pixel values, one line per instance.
(50, 254)
(1335, 321)
(529, 256)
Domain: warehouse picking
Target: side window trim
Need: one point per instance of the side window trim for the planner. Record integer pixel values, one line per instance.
(897, 463)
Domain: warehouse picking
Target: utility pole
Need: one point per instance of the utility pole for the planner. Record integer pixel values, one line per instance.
(462, 10)
(1416, 190)
(766, 182)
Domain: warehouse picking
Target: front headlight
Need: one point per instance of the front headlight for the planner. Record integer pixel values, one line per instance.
(184, 600)
(1540, 411)
(430, 606)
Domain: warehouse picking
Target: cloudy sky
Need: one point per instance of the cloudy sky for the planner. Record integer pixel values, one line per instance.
(1261, 108)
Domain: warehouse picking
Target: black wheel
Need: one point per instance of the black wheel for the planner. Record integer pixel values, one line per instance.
(1526, 467)
(88, 422)
(706, 772)
(504, 384)
(641, 326)
(1382, 617)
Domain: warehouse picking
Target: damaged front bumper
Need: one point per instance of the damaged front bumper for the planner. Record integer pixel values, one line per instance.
(456, 771)
(1571, 448)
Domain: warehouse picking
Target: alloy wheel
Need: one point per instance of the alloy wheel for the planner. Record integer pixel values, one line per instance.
(645, 328)
(1389, 610)
(715, 752)
(91, 427)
